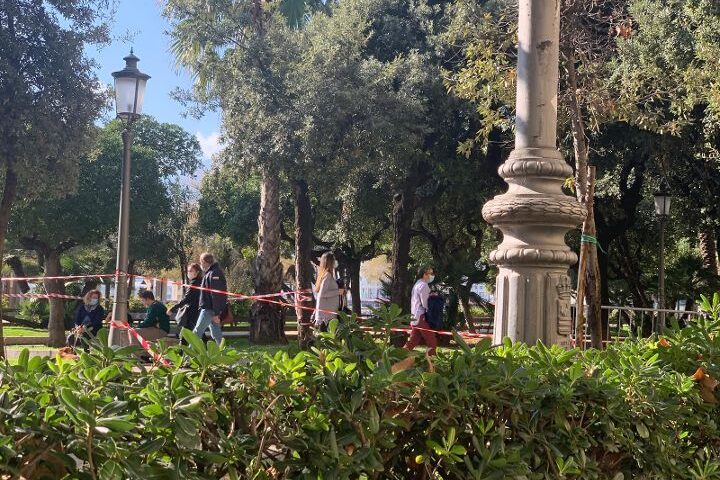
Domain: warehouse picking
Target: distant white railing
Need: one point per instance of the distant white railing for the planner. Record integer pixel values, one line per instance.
(624, 322)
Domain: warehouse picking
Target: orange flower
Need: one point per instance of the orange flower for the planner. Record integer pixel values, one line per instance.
(699, 374)
(663, 343)
(271, 382)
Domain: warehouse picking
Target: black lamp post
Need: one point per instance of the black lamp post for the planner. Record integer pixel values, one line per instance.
(662, 210)
(129, 95)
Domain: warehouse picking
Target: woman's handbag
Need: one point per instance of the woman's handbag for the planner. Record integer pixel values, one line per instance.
(182, 316)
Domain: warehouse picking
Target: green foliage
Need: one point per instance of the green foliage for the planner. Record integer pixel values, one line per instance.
(669, 65)
(241, 310)
(35, 309)
(135, 305)
(342, 411)
(38, 310)
(161, 153)
(229, 206)
(51, 95)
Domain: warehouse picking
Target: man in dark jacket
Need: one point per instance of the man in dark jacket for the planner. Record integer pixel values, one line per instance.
(212, 303)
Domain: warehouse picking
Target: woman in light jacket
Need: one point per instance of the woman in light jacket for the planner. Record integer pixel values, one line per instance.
(326, 292)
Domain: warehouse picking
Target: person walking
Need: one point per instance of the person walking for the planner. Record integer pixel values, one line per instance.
(421, 330)
(212, 304)
(327, 294)
(157, 322)
(187, 310)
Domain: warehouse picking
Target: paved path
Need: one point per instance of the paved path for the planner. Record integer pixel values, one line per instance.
(13, 352)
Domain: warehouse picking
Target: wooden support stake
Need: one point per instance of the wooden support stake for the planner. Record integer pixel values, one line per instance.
(582, 266)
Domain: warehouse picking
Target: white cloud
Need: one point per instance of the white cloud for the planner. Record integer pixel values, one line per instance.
(209, 144)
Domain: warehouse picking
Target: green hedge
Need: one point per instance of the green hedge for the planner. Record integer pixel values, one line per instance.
(632, 411)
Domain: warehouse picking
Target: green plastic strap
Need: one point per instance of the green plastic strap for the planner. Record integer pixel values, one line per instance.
(590, 239)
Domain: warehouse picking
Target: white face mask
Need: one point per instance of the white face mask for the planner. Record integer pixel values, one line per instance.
(431, 278)
(93, 302)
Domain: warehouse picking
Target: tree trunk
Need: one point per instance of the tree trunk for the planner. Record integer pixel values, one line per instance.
(403, 213)
(90, 284)
(267, 322)
(708, 249)
(303, 261)
(8, 198)
(131, 278)
(108, 293)
(464, 299)
(584, 195)
(593, 294)
(353, 266)
(183, 262)
(56, 325)
(16, 265)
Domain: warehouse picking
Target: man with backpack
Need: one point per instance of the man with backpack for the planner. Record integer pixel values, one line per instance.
(419, 302)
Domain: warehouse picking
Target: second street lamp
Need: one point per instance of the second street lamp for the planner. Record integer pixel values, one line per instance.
(129, 95)
(662, 210)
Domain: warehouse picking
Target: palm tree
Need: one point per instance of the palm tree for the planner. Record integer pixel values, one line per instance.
(207, 41)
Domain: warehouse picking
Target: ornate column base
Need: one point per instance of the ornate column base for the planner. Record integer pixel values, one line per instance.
(534, 304)
(533, 288)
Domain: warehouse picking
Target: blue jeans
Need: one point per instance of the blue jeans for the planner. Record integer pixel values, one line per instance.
(204, 321)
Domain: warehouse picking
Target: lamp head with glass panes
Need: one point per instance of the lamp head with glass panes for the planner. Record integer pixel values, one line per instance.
(662, 203)
(129, 89)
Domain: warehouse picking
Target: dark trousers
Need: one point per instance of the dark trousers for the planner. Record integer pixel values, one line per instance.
(417, 335)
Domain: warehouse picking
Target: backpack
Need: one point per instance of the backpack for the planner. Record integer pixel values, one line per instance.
(434, 314)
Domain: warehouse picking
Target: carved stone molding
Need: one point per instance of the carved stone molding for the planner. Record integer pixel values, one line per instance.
(542, 209)
(532, 256)
(535, 162)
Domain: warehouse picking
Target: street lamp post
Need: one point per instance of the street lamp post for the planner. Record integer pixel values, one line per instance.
(129, 95)
(662, 209)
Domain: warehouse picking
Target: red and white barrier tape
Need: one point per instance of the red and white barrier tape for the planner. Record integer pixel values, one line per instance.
(59, 277)
(437, 332)
(42, 295)
(232, 296)
(300, 296)
(267, 298)
(143, 343)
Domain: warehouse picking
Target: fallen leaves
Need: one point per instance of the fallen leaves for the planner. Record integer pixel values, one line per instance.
(67, 353)
(707, 384)
(403, 365)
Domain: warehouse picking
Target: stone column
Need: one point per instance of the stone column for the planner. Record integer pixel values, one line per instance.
(532, 298)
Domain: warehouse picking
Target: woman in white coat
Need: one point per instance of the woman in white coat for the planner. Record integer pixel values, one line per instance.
(326, 291)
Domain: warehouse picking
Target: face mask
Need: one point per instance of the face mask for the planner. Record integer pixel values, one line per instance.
(431, 278)
(93, 302)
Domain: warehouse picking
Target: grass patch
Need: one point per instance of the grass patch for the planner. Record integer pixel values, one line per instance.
(24, 332)
(244, 345)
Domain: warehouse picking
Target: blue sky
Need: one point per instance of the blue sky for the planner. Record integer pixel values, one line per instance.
(139, 24)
